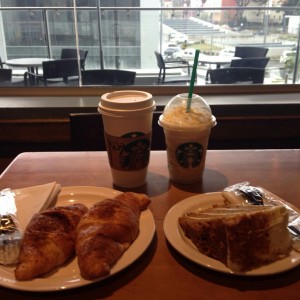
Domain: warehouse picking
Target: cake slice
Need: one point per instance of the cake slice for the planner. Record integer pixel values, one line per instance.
(242, 237)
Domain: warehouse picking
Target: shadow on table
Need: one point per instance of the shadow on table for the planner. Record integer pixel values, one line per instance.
(157, 184)
(213, 181)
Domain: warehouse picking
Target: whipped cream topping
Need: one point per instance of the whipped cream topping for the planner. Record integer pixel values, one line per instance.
(195, 118)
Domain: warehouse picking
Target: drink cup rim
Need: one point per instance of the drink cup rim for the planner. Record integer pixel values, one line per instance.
(178, 127)
(126, 103)
(125, 113)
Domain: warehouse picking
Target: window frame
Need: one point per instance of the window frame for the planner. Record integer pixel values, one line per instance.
(154, 90)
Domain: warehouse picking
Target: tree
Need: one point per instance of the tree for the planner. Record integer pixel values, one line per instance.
(291, 3)
(244, 3)
(240, 12)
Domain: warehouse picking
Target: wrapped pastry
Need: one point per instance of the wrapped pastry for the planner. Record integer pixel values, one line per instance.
(10, 233)
(246, 194)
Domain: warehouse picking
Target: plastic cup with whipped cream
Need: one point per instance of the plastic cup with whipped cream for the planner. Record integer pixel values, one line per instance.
(187, 135)
(127, 121)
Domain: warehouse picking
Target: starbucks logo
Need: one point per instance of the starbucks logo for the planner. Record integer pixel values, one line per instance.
(135, 154)
(189, 155)
(132, 134)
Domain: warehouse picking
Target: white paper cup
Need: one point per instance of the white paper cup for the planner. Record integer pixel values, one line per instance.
(127, 120)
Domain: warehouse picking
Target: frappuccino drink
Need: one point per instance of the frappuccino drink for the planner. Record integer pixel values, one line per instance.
(187, 135)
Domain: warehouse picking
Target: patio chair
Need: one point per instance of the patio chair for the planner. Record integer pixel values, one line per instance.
(9, 79)
(57, 72)
(107, 77)
(2, 63)
(5, 77)
(86, 131)
(250, 51)
(169, 65)
(67, 53)
(250, 62)
(237, 75)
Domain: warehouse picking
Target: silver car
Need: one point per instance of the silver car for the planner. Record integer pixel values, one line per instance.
(169, 52)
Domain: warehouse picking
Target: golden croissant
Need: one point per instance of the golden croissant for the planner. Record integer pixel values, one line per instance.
(106, 231)
(49, 240)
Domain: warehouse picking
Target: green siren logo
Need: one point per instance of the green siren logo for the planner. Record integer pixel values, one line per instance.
(189, 155)
(130, 151)
(135, 155)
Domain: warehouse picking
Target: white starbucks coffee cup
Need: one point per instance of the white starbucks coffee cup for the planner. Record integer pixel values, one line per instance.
(127, 120)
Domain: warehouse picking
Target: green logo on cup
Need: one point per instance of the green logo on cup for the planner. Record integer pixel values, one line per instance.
(133, 134)
(129, 152)
(135, 155)
(189, 155)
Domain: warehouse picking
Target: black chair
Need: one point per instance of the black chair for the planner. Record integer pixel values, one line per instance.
(107, 77)
(87, 133)
(171, 64)
(56, 72)
(9, 79)
(250, 62)
(237, 75)
(2, 63)
(250, 51)
(5, 77)
(67, 53)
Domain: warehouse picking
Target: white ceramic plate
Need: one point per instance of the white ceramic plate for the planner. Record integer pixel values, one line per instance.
(68, 276)
(184, 246)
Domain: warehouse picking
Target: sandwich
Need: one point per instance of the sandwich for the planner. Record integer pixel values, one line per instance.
(243, 237)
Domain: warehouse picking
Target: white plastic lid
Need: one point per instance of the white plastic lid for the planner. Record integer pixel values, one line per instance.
(127, 100)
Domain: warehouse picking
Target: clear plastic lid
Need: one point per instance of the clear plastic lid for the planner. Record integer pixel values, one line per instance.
(175, 115)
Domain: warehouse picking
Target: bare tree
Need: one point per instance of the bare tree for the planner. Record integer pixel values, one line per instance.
(240, 12)
(244, 3)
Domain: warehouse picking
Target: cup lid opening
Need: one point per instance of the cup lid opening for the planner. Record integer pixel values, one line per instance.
(126, 100)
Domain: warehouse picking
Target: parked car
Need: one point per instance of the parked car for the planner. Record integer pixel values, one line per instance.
(169, 52)
(186, 54)
(181, 38)
(173, 45)
(227, 52)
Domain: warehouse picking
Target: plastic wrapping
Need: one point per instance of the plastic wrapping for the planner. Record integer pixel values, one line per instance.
(244, 193)
(10, 233)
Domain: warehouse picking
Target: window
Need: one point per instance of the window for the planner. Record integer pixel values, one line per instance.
(126, 38)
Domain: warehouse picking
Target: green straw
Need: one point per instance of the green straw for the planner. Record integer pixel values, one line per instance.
(191, 89)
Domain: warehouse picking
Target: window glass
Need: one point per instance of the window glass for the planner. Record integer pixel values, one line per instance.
(127, 38)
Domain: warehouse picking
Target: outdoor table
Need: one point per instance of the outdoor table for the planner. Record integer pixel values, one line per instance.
(31, 63)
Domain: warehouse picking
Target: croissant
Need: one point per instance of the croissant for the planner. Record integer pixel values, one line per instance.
(49, 240)
(106, 231)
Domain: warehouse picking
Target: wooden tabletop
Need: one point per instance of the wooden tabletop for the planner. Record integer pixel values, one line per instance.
(161, 272)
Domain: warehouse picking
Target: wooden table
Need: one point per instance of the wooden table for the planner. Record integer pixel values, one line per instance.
(161, 272)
